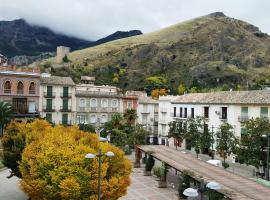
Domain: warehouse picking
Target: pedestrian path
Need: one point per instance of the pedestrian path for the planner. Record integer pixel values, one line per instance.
(234, 186)
(143, 188)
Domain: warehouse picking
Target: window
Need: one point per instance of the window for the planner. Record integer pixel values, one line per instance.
(82, 119)
(65, 105)
(192, 112)
(20, 88)
(264, 112)
(49, 117)
(65, 91)
(82, 103)
(144, 119)
(93, 119)
(32, 107)
(93, 103)
(104, 103)
(129, 105)
(114, 103)
(7, 87)
(185, 113)
(144, 108)
(174, 111)
(181, 112)
(65, 119)
(103, 119)
(49, 91)
(223, 112)
(49, 105)
(32, 88)
(163, 127)
(206, 112)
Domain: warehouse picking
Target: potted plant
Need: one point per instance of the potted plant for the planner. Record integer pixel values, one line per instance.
(150, 162)
(161, 173)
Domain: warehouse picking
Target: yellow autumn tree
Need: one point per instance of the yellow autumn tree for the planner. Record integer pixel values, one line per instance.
(54, 166)
(158, 92)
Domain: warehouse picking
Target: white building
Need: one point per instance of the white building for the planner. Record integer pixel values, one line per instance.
(57, 99)
(233, 107)
(96, 104)
(148, 113)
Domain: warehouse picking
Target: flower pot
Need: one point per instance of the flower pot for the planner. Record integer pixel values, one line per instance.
(147, 173)
(161, 184)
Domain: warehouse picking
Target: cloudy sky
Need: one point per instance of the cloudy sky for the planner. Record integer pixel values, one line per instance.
(93, 19)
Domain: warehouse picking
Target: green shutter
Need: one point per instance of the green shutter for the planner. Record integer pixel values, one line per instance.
(244, 111)
(49, 117)
(65, 119)
(49, 104)
(65, 104)
(264, 111)
(65, 91)
(49, 91)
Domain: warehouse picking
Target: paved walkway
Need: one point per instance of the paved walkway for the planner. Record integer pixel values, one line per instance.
(234, 186)
(143, 188)
(9, 188)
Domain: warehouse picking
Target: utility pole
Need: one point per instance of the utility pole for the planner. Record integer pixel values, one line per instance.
(267, 161)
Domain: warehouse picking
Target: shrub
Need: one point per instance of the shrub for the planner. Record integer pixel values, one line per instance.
(149, 163)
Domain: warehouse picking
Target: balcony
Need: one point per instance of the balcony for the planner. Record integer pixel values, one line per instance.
(32, 92)
(163, 121)
(222, 118)
(7, 91)
(20, 92)
(66, 95)
(65, 122)
(163, 110)
(177, 115)
(145, 111)
(49, 95)
(49, 109)
(65, 108)
(243, 118)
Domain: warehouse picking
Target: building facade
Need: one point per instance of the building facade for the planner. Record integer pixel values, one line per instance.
(148, 114)
(96, 104)
(233, 107)
(57, 99)
(20, 88)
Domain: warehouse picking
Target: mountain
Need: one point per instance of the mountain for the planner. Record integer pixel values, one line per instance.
(212, 51)
(20, 38)
(29, 42)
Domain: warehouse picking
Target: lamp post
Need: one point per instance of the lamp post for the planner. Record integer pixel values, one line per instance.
(190, 192)
(267, 159)
(99, 155)
(212, 186)
(213, 155)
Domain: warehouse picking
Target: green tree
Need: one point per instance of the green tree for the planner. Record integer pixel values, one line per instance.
(251, 147)
(130, 116)
(181, 89)
(65, 59)
(5, 115)
(87, 128)
(206, 138)
(226, 141)
(177, 130)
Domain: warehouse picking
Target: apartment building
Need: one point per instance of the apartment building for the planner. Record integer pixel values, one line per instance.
(148, 113)
(57, 99)
(96, 104)
(233, 107)
(20, 88)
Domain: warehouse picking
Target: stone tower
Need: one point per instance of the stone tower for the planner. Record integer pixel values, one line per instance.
(61, 52)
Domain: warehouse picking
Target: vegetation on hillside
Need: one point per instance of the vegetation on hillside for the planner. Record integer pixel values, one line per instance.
(209, 52)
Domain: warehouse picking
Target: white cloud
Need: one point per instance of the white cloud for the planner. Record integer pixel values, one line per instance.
(93, 19)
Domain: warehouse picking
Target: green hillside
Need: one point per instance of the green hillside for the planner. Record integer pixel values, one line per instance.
(212, 51)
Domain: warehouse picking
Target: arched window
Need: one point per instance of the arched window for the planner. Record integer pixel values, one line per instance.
(7, 87)
(114, 103)
(103, 119)
(32, 88)
(93, 119)
(82, 103)
(20, 88)
(104, 103)
(93, 103)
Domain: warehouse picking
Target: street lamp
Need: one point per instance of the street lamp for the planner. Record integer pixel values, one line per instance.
(190, 192)
(212, 186)
(99, 155)
(267, 161)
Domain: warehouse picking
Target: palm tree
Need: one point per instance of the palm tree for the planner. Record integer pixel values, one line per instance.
(130, 115)
(5, 111)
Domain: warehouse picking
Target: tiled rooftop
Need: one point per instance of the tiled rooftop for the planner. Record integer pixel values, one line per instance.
(57, 80)
(226, 97)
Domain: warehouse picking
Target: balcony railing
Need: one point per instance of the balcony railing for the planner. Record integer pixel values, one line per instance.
(65, 108)
(48, 108)
(49, 95)
(243, 118)
(183, 116)
(65, 122)
(32, 92)
(66, 95)
(19, 91)
(145, 111)
(98, 109)
(7, 91)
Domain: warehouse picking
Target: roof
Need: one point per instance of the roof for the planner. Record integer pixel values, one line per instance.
(57, 80)
(145, 99)
(226, 97)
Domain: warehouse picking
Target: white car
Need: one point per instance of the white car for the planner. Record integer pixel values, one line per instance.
(217, 163)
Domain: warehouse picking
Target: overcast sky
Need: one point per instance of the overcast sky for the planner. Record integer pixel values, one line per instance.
(93, 19)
